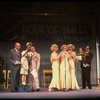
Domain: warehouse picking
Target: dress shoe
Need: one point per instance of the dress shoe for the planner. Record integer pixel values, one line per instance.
(83, 88)
(70, 89)
(37, 90)
(63, 89)
(55, 89)
(13, 90)
(90, 88)
(32, 90)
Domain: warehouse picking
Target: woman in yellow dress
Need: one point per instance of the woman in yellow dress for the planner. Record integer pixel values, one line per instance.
(64, 69)
(71, 60)
(55, 68)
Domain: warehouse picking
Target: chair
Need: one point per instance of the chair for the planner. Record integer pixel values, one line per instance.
(8, 78)
(4, 83)
(44, 76)
(98, 86)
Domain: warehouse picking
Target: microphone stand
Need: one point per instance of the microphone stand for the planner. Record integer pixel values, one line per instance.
(65, 69)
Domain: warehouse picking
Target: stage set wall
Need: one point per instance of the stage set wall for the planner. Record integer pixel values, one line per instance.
(43, 31)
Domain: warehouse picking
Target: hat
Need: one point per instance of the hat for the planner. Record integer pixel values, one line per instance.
(29, 43)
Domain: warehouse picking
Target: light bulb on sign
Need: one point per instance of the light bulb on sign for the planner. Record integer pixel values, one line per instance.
(45, 14)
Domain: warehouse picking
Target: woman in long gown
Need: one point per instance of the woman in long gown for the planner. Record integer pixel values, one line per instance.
(55, 68)
(64, 69)
(71, 60)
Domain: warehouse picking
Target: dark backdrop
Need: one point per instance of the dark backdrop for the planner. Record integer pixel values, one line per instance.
(45, 23)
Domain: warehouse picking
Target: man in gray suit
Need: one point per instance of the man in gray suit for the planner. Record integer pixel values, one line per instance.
(15, 58)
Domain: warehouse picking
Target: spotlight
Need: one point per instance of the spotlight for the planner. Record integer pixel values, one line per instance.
(45, 14)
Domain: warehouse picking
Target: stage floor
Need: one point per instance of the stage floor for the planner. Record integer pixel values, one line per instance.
(44, 94)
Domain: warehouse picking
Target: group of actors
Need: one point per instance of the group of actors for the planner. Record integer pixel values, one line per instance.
(24, 67)
(27, 63)
(63, 66)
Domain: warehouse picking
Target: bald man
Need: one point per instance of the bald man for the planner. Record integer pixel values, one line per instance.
(15, 62)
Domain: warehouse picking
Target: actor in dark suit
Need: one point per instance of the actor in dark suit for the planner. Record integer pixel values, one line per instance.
(86, 68)
(15, 58)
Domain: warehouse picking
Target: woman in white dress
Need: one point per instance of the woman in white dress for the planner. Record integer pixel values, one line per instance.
(64, 69)
(24, 67)
(55, 68)
(71, 60)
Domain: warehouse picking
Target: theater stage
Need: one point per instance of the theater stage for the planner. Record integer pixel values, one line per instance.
(44, 94)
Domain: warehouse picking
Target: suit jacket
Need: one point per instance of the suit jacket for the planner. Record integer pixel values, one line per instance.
(14, 56)
(88, 58)
(35, 61)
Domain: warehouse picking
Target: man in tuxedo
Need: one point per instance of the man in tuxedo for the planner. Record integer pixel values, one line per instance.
(86, 68)
(15, 62)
